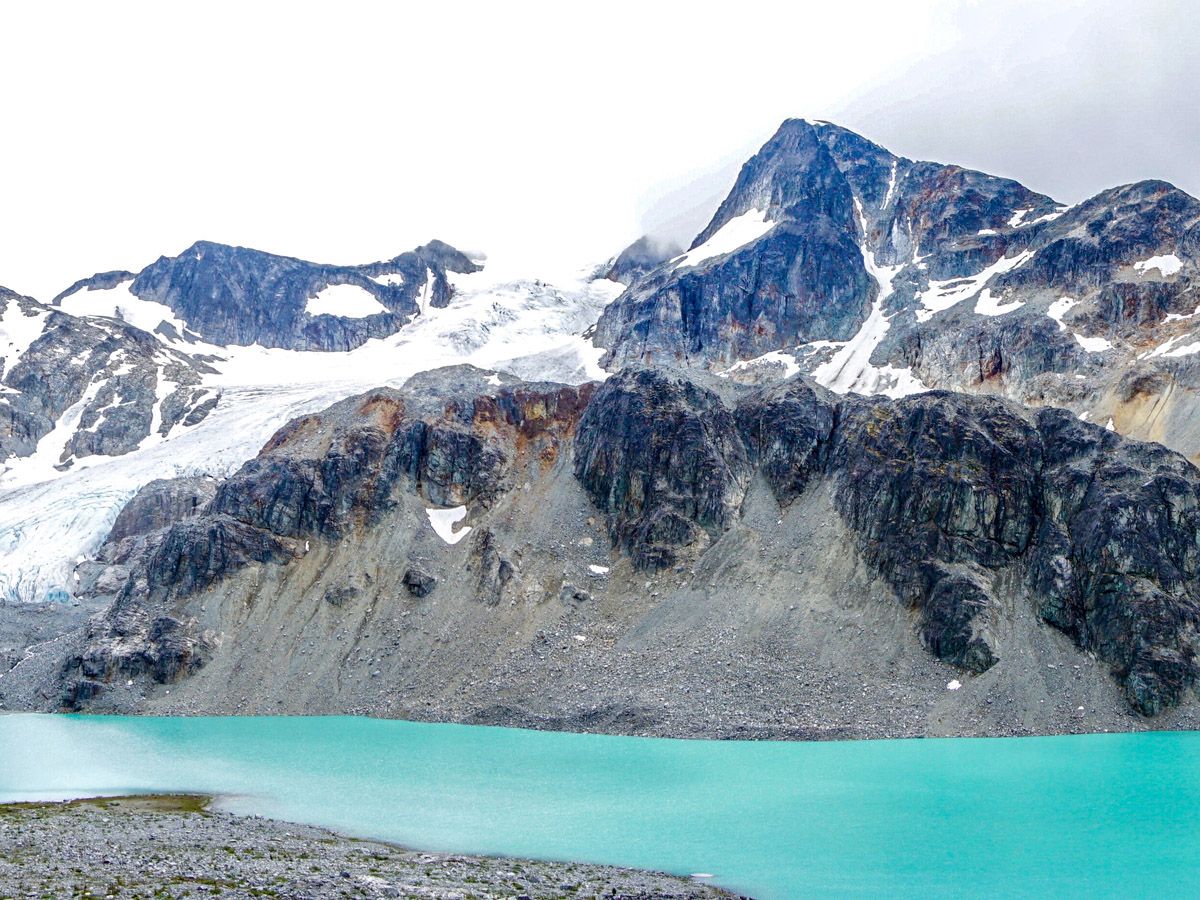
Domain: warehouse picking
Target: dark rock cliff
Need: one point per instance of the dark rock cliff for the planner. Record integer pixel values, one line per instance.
(983, 285)
(965, 505)
(804, 280)
(450, 436)
(943, 492)
(236, 295)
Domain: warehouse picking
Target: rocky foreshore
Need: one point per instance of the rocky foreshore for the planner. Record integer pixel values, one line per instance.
(176, 846)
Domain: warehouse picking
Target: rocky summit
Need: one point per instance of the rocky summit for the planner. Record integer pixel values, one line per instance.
(877, 274)
(235, 295)
(893, 448)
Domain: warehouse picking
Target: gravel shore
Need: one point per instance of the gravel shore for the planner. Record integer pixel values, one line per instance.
(175, 846)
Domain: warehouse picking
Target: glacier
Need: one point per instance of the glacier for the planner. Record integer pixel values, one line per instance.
(50, 520)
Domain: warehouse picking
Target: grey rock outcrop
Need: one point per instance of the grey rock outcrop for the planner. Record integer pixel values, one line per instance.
(121, 382)
(418, 582)
(236, 295)
(450, 437)
(640, 257)
(964, 505)
(944, 494)
(161, 503)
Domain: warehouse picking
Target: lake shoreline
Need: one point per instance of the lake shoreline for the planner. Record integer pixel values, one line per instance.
(175, 844)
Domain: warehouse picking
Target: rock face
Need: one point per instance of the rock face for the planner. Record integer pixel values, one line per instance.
(450, 437)
(107, 385)
(640, 257)
(661, 457)
(235, 295)
(419, 582)
(161, 503)
(803, 280)
(945, 495)
(980, 517)
(879, 274)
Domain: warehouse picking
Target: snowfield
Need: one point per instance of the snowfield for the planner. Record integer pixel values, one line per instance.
(737, 232)
(49, 519)
(346, 301)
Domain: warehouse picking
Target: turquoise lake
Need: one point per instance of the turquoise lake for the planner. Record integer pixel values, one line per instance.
(1096, 815)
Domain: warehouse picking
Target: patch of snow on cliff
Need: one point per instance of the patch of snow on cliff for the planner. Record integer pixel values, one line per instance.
(1059, 308)
(18, 331)
(1167, 265)
(345, 301)
(1018, 217)
(850, 370)
(426, 296)
(444, 520)
(1092, 344)
(987, 305)
(737, 232)
(163, 388)
(941, 295)
(121, 303)
(388, 279)
(1169, 348)
(790, 366)
(891, 188)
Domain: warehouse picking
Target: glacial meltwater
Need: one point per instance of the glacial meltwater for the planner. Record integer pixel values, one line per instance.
(1097, 815)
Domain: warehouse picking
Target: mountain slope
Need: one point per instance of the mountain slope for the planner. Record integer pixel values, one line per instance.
(877, 274)
(245, 518)
(237, 296)
(57, 502)
(668, 553)
(75, 387)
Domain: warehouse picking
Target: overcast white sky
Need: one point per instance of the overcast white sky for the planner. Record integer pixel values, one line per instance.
(547, 134)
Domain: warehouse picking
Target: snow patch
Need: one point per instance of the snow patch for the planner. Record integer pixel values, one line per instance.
(120, 302)
(1169, 348)
(1059, 308)
(444, 520)
(346, 301)
(1092, 344)
(953, 685)
(1018, 217)
(987, 305)
(1167, 265)
(850, 368)
(941, 295)
(18, 331)
(389, 279)
(425, 297)
(737, 232)
(891, 188)
(598, 570)
(790, 366)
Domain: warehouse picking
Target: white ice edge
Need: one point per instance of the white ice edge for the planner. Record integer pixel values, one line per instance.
(444, 520)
